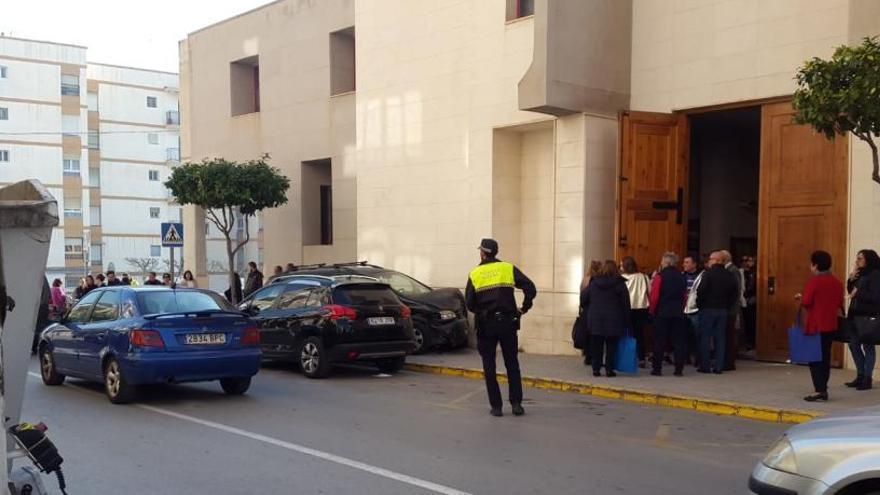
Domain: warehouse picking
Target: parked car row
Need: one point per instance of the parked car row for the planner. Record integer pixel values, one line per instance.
(128, 336)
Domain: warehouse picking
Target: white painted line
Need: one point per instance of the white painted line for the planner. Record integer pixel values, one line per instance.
(344, 461)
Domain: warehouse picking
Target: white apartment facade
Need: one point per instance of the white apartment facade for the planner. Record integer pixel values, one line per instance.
(102, 138)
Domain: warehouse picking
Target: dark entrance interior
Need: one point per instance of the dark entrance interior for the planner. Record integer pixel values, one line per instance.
(725, 156)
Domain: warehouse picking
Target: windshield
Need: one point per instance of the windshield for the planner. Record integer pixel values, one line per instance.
(168, 301)
(402, 284)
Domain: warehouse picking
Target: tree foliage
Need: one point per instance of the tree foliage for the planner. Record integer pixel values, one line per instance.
(842, 95)
(226, 190)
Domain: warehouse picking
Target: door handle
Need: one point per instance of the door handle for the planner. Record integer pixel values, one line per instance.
(677, 205)
(771, 285)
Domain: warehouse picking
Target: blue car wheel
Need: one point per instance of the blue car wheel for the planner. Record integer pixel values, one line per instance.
(235, 386)
(119, 391)
(47, 368)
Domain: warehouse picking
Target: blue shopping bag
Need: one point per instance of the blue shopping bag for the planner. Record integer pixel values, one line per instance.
(803, 348)
(627, 361)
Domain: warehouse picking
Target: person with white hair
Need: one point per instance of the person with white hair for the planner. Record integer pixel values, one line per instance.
(667, 298)
(732, 335)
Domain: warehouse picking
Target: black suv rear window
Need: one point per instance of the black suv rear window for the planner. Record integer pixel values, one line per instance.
(365, 295)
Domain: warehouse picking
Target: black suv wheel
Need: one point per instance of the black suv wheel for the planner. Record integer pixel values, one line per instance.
(313, 359)
(422, 337)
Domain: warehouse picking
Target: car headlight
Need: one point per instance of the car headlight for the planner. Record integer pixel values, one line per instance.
(781, 457)
(447, 314)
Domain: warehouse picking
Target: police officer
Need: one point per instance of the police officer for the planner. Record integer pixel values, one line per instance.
(489, 295)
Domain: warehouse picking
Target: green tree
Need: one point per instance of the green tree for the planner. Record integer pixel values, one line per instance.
(225, 190)
(842, 95)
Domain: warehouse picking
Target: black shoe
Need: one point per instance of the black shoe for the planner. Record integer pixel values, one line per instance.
(866, 384)
(496, 411)
(656, 373)
(704, 370)
(678, 373)
(518, 409)
(855, 383)
(823, 396)
(610, 373)
(587, 361)
(597, 373)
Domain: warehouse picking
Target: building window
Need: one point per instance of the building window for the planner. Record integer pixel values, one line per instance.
(342, 68)
(151, 102)
(92, 98)
(155, 250)
(317, 203)
(154, 212)
(153, 138)
(94, 177)
(4, 113)
(520, 8)
(95, 215)
(94, 140)
(3, 71)
(73, 247)
(71, 167)
(154, 175)
(172, 154)
(244, 84)
(172, 117)
(207, 228)
(73, 207)
(69, 85)
(95, 254)
(73, 212)
(70, 125)
(4, 155)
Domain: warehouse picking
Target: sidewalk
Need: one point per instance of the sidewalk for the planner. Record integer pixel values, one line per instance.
(763, 391)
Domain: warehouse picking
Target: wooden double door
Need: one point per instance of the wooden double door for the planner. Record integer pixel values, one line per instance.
(802, 205)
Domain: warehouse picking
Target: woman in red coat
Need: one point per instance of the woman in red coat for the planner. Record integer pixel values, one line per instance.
(823, 300)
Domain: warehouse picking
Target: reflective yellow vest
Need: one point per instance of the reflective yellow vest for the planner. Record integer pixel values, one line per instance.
(492, 276)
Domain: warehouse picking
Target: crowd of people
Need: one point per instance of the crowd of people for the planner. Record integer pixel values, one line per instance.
(89, 283)
(699, 309)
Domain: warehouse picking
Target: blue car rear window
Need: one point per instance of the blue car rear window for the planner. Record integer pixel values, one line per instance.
(159, 302)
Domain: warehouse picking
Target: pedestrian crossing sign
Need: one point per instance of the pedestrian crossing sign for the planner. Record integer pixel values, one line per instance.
(172, 235)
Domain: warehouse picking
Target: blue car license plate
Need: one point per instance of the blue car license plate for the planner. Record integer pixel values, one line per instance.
(206, 338)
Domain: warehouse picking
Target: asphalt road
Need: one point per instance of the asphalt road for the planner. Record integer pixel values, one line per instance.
(360, 433)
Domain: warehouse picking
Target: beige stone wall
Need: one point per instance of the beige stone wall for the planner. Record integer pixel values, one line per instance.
(693, 53)
(298, 119)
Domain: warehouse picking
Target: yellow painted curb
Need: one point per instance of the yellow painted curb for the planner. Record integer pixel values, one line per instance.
(712, 406)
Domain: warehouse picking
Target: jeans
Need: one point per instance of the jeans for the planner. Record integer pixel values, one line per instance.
(670, 328)
(865, 356)
(600, 344)
(713, 324)
(820, 371)
(694, 336)
(488, 338)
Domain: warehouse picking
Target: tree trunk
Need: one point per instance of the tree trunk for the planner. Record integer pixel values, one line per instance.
(876, 173)
(233, 297)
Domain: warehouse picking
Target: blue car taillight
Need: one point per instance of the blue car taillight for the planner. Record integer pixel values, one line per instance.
(146, 338)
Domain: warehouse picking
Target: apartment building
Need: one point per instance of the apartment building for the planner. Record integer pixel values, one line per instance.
(569, 130)
(102, 138)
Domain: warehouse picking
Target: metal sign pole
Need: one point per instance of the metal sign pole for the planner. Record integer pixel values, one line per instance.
(172, 263)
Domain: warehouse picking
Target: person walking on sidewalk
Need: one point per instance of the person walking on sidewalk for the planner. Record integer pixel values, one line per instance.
(716, 290)
(863, 286)
(490, 296)
(823, 300)
(608, 316)
(638, 286)
(668, 290)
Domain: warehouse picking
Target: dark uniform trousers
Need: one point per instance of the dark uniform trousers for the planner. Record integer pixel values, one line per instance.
(494, 330)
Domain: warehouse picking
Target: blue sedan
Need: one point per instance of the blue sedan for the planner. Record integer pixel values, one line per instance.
(126, 336)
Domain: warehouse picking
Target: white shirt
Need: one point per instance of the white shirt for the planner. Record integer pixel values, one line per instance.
(691, 306)
(639, 288)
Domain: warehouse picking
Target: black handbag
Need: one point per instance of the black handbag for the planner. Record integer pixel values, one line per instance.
(867, 329)
(579, 333)
(845, 330)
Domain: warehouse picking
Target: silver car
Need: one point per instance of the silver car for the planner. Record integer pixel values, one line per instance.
(837, 454)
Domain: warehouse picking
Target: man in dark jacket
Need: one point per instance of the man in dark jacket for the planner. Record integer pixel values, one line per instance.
(112, 281)
(490, 296)
(254, 279)
(717, 293)
(667, 298)
(735, 313)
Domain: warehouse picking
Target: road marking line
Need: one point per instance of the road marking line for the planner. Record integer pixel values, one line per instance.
(344, 461)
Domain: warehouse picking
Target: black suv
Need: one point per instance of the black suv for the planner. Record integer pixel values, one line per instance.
(317, 321)
(439, 315)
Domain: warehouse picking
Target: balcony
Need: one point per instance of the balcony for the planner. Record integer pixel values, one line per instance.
(172, 117)
(172, 155)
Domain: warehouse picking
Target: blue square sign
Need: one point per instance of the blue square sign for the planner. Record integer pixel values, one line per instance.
(172, 235)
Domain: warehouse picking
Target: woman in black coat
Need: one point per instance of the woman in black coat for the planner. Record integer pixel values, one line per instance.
(864, 288)
(608, 314)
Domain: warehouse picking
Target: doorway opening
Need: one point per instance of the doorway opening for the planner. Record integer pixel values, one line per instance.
(724, 176)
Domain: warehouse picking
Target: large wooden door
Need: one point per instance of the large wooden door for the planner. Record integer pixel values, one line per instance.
(652, 197)
(802, 208)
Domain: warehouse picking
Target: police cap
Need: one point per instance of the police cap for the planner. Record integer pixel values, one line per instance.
(489, 246)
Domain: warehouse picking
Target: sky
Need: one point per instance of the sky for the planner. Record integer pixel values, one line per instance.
(120, 32)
